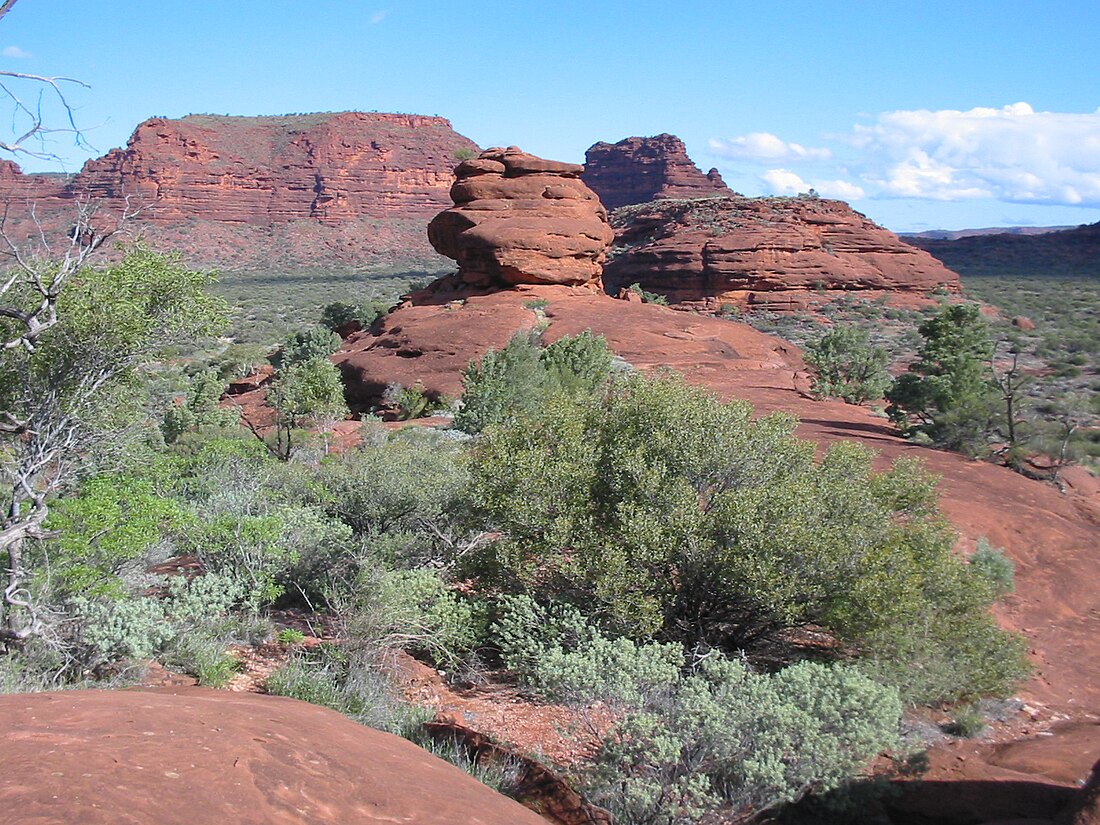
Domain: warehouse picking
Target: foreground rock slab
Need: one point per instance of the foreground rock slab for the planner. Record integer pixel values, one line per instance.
(205, 757)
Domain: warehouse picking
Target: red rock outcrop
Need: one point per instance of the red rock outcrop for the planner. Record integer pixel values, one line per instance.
(520, 219)
(762, 250)
(329, 167)
(431, 338)
(640, 169)
(206, 757)
(345, 187)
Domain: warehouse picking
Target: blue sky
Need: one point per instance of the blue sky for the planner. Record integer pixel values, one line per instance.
(922, 115)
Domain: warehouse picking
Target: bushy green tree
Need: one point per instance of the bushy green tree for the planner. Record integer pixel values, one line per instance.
(519, 378)
(200, 408)
(307, 393)
(577, 363)
(108, 524)
(306, 345)
(947, 393)
(503, 383)
(341, 315)
(847, 366)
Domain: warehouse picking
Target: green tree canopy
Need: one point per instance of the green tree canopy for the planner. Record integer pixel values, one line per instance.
(947, 393)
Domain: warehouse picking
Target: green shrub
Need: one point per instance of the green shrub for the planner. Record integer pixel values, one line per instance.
(648, 297)
(994, 566)
(728, 741)
(124, 628)
(108, 525)
(203, 655)
(306, 345)
(692, 742)
(847, 366)
(340, 315)
(966, 722)
(290, 636)
(502, 384)
(554, 651)
(183, 624)
(416, 611)
(411, 402)
(657, 510)
(200, 409)
(399, 497)
(521, 377)
(577, 363)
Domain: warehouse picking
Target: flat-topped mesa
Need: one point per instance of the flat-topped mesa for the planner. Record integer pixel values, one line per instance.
(261, 170)
(520, 219)
(772, 251)
(640, 169)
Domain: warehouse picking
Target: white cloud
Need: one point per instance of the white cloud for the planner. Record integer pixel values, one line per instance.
(16, 53)
(786, 182)
(1012, 154)
(767, 147)
(378, 17)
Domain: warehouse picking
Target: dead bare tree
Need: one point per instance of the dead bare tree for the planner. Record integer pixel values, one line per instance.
(42, 412)
(34, 129)
(1011, 382)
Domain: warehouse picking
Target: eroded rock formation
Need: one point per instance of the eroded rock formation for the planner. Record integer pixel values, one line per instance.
(262, 170)
(762, 250)
(640, 169)
(520, 219)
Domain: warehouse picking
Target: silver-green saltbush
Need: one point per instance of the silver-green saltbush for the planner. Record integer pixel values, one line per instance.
(727, 739)
(697, 740)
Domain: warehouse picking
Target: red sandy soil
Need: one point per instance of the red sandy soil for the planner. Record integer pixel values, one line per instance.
(192, 756)
(562, 735)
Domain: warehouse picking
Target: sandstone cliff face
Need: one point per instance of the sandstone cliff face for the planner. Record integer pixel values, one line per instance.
(261, 170)
(520, 219)
(758, 250)
(640, 169)
(299, 190)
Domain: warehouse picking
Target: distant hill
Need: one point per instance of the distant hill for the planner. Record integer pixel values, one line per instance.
(955, 234)
(1063, 252)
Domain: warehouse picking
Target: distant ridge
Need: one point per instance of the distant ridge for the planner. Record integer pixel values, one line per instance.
(1061, 252)
(955, 234)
